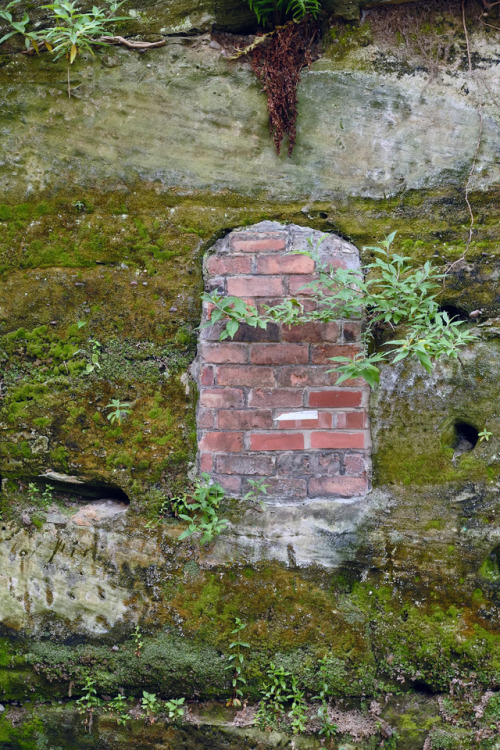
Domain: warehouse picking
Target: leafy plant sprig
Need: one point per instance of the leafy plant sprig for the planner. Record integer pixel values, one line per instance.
(118, 705)
(139, 643)
(88, 702)
(201, 512)
(120, 410)
(175, 709)
(235, 664)
(150, 705)
(484, 435)
(389, 294)
(75, 31)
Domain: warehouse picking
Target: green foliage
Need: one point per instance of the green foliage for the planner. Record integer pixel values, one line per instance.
(118, 705)
(235, 664)
(259, 487)
(18, 27)
(279, 11)
(328, 728)
(484, 435)
(201, 512)
(389, 295)
(276, 693)
(150, 705)
(42, 498)
(175, 709)
(139, 643)
(88, 702)
(71, 32)
(120, 410)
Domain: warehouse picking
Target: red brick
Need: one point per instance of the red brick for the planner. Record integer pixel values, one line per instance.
(338, 440)
(276, 441)
(224, 264)
(207, 375)
(279, 354)
(254, 286)
(356, 420)
(245, 375)
(280, 264)
(299, 424)
(355, 464)
(255, 465)
(225, 353)
(276, 397)
(335, 399)
(222, 398)
(300, 377)
(297, 285)
(315, 332)
(206, 462)
(287, 487)
(321, 354)
(205, 418)
(235, 419)
(231, 484)
(230, 442)
(253, 245)
(337, 486)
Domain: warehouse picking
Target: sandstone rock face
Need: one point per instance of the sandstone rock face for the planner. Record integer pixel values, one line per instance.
(365, 132)
(109, 202)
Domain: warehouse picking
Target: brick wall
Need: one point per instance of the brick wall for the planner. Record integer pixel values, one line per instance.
(268, 406)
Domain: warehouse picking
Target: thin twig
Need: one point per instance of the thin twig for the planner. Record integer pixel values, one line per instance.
(131, 45)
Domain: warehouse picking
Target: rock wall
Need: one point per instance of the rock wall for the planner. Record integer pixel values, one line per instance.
(109, 202)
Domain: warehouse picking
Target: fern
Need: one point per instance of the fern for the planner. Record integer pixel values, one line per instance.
(297, 9)
(283, 10)
(263, 9)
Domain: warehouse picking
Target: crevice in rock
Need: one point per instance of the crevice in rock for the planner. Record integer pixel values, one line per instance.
(455, 312)
(466, 437)
(81, 491)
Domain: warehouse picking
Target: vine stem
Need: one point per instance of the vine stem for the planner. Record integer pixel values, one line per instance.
(475, 155)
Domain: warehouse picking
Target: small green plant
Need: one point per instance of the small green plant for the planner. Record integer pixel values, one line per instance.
(139, 643)
(201, 510)
(235, 665)
(175, 709)
(298, 712)
(71, 32)
(119, 706)
(484, 435)
(75, 31)
(150, 705)
(42, 498)
(120, 410)
(387, 294)
(259, 487)
(275, 695)
(88, 702)
(328, 728)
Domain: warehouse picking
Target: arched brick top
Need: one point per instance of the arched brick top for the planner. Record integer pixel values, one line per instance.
(268, 406)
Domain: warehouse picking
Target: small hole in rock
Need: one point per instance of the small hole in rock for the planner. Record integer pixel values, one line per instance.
(455, 312)
(466, 437)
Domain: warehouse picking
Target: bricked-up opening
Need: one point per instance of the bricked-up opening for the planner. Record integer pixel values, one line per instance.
(269, 407)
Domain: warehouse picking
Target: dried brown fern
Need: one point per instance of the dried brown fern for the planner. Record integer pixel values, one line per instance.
(278, 63)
